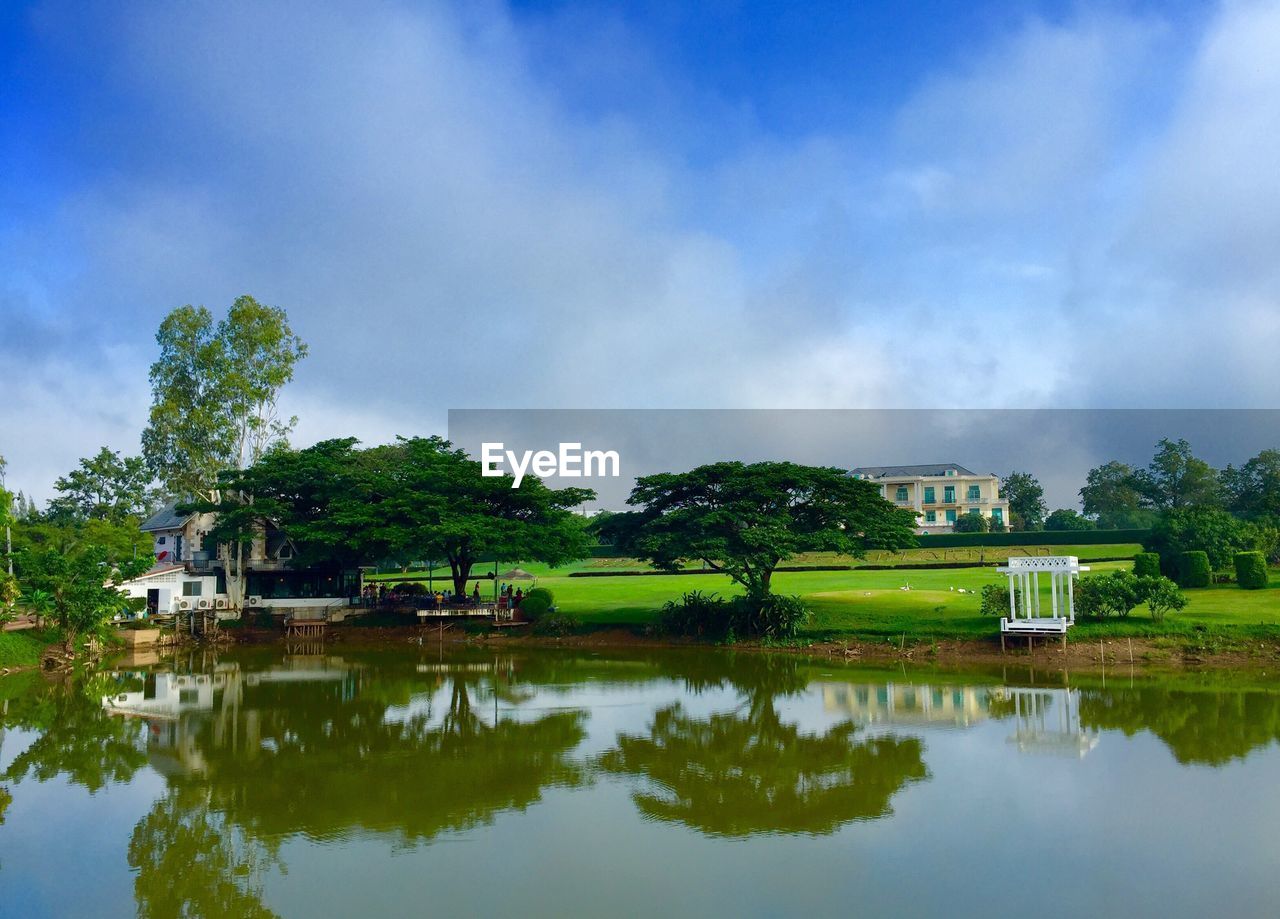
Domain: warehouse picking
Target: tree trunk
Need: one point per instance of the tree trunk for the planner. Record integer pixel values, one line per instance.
(460, 571)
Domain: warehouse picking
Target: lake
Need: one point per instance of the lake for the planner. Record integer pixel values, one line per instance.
(426, 779)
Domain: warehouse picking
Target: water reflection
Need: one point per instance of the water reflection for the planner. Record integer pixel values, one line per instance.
(364, 750)
(1198, 726)
(747, 771)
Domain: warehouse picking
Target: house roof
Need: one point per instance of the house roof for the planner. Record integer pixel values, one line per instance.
(167, 518)
(877, 472)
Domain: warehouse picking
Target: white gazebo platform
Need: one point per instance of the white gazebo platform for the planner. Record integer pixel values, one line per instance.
(1026, 616)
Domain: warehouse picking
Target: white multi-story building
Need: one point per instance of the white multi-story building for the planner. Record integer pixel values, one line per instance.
(939, 493)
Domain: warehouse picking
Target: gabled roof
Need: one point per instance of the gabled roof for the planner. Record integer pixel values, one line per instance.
(167, 518)
(927, 469)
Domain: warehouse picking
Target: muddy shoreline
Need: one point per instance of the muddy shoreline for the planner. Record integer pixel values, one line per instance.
(1132, 654)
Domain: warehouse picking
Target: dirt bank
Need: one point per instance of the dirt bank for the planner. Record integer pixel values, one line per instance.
(1139, 654)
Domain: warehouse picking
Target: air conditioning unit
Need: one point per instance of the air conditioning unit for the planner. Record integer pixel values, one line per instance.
(184, 604)
(254, 601)
(204, 603)
(221, 603)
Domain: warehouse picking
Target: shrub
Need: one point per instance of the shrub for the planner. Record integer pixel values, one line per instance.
(709, 616)
(1146, 564)
(995, 600)
(971, 523)
(536, 602)
(1067, 519)
(1215, 532)
(1194, 569)
(697, 614)
(1105, 595)
(1251, 570)
(557, 624)
(772, 616)
(1161, 595)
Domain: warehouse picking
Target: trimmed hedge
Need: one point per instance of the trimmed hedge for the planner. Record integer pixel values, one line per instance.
(1147, 564)
(1032, 538)
(1251, 570)
(1194, 569)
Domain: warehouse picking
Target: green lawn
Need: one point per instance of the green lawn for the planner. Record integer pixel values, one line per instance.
(872, 604)
(22, 649)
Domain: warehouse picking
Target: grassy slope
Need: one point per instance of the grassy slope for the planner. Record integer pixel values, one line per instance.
(22, 649)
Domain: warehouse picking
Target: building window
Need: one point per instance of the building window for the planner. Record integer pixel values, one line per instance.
(930, 516)
(997, 514)
(902, 493)
(191, 588)
(160, 540)
(929, 495)
(950, 472)
(951, 516)
(975, 493)
(949, 494)
(975, 510)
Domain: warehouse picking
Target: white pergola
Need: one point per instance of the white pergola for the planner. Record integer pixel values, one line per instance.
(1026, 616)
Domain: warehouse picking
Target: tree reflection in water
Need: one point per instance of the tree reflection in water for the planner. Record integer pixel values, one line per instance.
(74, 738)
(1198, 727)
(192, 861)
(743, 773)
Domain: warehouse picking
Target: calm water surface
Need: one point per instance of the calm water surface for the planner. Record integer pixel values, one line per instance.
(673, 784)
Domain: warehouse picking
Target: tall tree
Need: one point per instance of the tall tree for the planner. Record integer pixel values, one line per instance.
(745, 519)
(106, 486)
(215, 391)
(1253, 490)
(1176, 478)
(1026, 500)
(1111, 495)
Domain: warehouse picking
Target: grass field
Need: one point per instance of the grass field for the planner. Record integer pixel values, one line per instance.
(872, 604)
(22, 649)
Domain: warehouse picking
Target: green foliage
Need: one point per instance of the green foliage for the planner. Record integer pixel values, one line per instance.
(557, 624)
(1111, 497)
(106, 486)
(1113, 594)
(536, 603)
(1146, 564)
(1161, 596)
(214, 391)
(995, 600)
(1210, 530)
(413, 499)
(1025, 495)
(79, 590)
(1251, 570)
(1194, 569)
(1067, 519)
(1253, 490)
(697, 614)
(971, 523)
(709, 616)
(1177, 479)
(744, 519)
(1034, 538)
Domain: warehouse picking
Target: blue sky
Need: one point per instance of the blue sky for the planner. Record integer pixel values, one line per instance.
(640, 205)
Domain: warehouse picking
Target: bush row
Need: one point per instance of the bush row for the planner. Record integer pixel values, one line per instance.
(704, 615)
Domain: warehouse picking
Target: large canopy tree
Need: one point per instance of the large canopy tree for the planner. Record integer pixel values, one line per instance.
(415, 498)
(745, 519)
(1025, 495)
